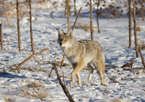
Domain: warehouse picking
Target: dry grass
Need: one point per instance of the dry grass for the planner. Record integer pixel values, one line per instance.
(142, 44)
(115, 100)
(34, 84)
(33, 90)
(11, 9)
(34, 69)
(8, 99)
(86, 27)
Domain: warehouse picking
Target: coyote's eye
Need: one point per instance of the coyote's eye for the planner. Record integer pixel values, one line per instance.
(60, 40)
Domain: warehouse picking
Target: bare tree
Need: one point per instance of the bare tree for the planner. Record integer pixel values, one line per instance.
(65, 7)
(68, 13)
(1, 36)
(31, 33)
(91, 25)
(97, 12)
(6, 13)
(135, 33)
(129, 3)
(75, 11)
(18, 25)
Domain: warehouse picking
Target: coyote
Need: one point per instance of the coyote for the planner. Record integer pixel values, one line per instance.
(82, 53)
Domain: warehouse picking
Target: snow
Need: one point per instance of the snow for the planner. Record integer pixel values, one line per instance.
(122, 85)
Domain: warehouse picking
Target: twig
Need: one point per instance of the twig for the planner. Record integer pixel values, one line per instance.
(141, 57)
(65, 90)
(30, 58)
(51, 71)
(1, 36)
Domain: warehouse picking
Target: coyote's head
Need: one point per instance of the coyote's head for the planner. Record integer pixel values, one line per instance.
(65, 39)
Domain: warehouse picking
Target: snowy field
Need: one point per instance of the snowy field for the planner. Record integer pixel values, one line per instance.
(33, 83)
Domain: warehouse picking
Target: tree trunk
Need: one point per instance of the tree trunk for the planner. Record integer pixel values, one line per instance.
(135, 33)
(68, 13)
(75, 11)
(91, 25)
(129, 3)
(18, 26)
(1, 36)
(31, 33)
(97, 12)
(65, 7)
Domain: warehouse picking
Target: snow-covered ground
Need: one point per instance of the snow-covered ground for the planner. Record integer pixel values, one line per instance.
(122, 85)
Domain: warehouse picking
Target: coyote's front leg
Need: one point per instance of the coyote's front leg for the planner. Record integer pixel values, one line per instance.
(76, 72)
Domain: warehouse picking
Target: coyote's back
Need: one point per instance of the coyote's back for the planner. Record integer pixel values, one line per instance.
(82, 53)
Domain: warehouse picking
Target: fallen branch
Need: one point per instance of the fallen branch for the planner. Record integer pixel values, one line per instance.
(30, 58)
(130, 64)
(130, 69)
(65, 90)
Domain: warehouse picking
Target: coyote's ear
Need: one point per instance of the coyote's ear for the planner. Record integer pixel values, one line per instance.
(60, 32)
(70, 33)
